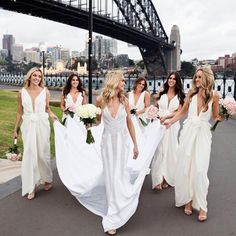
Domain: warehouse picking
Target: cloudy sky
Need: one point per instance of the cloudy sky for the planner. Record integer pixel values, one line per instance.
(207, 28)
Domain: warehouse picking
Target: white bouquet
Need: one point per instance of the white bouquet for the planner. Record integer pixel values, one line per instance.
(88, 114)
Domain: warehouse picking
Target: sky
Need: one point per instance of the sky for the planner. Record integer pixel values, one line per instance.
(207, 29)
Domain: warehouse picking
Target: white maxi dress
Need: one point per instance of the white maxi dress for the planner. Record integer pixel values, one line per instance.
(140, 105)
(164, 161)
(35, 129)
(193, 157)
(103, 176)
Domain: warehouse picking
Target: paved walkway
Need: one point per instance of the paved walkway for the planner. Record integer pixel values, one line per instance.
(57, 213)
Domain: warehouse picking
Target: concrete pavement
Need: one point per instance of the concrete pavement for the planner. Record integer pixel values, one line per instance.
(58, 213)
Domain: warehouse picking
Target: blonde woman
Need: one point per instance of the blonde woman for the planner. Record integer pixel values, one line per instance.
(193, 154)
(33, 111)
(107, 177)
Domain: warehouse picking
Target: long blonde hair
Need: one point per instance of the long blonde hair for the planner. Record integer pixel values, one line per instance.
(112, 81)
(207, 83)
(28, 76)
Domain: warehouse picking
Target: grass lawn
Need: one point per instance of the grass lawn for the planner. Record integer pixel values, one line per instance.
(8, 108)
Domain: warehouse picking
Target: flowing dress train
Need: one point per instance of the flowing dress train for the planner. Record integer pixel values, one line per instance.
(103, 176)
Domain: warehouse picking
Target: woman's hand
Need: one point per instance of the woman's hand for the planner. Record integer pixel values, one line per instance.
(136, 152)
(167, 123)
(54, 118)
(15, 135)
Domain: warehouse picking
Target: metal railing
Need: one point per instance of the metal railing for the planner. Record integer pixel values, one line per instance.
(226, 86)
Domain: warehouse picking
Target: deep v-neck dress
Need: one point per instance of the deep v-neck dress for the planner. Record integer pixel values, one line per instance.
(35, 131)
(103, 176)
(164, 161)
(193, 157)
(69, 101)
(140, 105)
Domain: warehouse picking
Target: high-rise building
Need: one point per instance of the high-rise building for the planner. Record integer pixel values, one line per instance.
(7, 42)
(17, 52)
(65, 55)
(102, 47)
(32, 56)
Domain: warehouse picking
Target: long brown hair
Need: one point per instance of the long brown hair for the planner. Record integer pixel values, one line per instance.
(67, 87)
(179, 91)
(137, 81)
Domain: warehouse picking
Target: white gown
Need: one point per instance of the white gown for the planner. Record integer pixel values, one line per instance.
(103, 176)
(164, 161)
(140, 105)
(193, 156)
(69, 101)
(35, 131)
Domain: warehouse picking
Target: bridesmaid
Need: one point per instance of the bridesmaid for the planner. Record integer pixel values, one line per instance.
(170, 100)
(139, 98)
(193, 154)
(33, 109)
(73, 94)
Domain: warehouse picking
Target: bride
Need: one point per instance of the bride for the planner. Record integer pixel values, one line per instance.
(106, 177)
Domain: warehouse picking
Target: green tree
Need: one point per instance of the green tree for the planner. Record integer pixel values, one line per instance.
(187, 68)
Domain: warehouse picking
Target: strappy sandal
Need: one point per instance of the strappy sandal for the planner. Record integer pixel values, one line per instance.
(111, 232)
(31, 196)
(47, 186)
(202, 217)
(158, 187)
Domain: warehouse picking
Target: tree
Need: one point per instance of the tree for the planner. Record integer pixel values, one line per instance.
(187, 68)
(131, 62)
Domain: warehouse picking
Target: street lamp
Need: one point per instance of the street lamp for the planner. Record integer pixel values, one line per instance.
(43, 49)
(90, 26)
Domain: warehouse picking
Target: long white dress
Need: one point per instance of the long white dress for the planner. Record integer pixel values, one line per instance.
(140, 105)
(35, 131)
(164, 161)
(103, 176)
(193, 157)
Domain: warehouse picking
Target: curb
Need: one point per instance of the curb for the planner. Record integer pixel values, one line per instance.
(14, 184)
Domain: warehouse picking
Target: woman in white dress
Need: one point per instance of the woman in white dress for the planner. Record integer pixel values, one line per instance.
(170, 100)
(139, 99)
(193, 154)
(33, 109)
(106, 177)
(73, 94)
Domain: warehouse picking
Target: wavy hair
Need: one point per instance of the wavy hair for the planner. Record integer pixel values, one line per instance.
(207, 83)
(67, 87)
(179, 91)
(137, 81)
(112, 81)
(28, 77)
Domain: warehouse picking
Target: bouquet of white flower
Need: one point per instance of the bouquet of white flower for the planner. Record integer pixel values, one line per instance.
(87, 114)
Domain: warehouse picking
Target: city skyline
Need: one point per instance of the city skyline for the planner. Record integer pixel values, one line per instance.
(206, 32)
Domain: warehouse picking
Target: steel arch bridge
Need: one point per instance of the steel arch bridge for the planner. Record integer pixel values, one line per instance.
(133, 21)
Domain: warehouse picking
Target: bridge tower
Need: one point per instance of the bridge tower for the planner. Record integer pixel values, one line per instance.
(173, 57)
